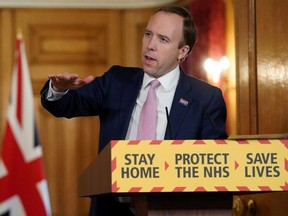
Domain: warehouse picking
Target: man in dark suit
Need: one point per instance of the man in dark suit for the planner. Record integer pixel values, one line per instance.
(196, 109)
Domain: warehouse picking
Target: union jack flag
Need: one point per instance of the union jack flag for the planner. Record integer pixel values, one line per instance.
(23, 187)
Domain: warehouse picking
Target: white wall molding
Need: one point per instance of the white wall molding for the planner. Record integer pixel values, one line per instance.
(83, 3)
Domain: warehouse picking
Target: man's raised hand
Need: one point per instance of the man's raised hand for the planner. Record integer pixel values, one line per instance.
(62, 82)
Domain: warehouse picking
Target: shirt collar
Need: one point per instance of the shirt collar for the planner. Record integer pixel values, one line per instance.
(168, 81)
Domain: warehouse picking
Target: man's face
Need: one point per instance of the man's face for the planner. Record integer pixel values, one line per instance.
(160, 51)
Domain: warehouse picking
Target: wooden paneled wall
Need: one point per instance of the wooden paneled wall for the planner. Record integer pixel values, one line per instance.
(86, 42)
(262, 84)
(262, 66)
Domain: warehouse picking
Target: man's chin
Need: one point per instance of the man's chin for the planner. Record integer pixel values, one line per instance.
(150, 72)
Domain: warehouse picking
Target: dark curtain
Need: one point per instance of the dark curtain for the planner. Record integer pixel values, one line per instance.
(209, 16)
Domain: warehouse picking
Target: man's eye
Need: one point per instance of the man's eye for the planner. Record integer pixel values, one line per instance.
(147, 34)
(162, 39)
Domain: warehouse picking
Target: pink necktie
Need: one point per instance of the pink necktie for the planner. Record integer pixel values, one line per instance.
(148, 116)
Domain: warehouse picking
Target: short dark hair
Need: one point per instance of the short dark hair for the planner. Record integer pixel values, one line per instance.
(189, 28)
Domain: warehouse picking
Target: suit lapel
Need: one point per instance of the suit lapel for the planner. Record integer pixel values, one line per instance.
(181, 103)
(129, 95)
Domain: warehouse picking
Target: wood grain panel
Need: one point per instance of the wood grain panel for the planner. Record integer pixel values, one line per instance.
(230, 84)
(135, 25)
(51, 139)
(7, 44)
(86, 42)
(253, 97)
(242, 60)
(272, 65)
(261, 66)
(69, 44)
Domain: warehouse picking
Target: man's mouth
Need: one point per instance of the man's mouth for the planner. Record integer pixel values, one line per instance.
(149, 58)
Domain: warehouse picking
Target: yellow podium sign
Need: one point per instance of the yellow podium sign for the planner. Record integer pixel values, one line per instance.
(199, 165)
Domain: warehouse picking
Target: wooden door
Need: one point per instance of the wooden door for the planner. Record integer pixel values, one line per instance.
(262, 66)
(262, 84)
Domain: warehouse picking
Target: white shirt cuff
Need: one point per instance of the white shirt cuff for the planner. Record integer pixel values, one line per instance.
(53, 95)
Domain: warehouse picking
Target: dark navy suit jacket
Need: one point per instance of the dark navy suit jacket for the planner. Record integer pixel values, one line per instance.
(198, 110)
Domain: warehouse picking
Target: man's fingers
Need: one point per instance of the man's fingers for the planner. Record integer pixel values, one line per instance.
(64, 76)
(67, 76)
(81, 82)
(53, 78)
(68, 81)
(88, 79)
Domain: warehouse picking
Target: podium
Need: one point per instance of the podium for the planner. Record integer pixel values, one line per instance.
(186, 177)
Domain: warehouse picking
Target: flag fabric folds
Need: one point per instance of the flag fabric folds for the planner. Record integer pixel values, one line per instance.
(23, 187)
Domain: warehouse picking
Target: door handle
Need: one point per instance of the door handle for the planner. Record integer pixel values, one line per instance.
(242, 208)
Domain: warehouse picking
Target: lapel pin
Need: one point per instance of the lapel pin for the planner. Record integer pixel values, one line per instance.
(183, 102)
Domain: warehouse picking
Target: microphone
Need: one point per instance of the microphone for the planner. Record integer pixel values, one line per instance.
(168, 124)
(210, 122)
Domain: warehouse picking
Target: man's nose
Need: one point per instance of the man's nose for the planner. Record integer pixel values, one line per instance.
(152, 43)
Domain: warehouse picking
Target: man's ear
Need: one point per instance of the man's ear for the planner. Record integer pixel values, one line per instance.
(183, 52)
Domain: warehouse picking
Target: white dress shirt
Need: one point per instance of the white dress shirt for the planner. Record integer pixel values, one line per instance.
(165, 94)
